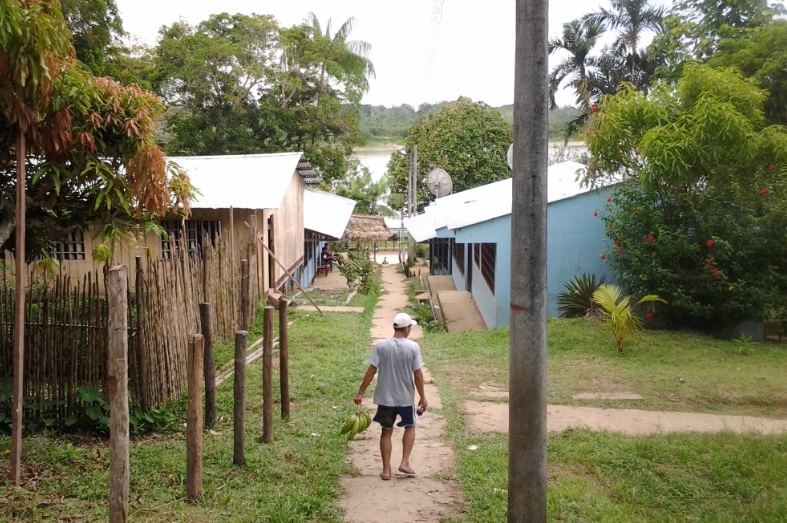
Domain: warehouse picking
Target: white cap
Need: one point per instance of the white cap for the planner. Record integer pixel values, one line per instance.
(403, 320)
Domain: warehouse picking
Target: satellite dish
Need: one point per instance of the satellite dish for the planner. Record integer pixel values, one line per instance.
(439, 182)
(510, 157)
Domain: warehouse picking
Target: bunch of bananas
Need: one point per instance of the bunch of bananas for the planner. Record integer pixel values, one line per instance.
(356, 423)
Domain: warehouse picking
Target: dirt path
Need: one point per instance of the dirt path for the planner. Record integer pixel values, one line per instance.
(432, 494)
(486, 416)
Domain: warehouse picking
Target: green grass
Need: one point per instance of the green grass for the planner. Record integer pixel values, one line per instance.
(592, 476)
(293, 479)
(673, 371)
(609, 477)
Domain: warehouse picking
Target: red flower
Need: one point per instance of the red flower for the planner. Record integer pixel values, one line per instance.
(595, 213)
(709, 263)
(762, 191)
(650, 238)
(715, 271)
(617, 241)
(709, 243)
(609, 199)
(680, 186)
(632, 209)
(620, 251)
(594, 108)
(603, 256)
(770, 167)
(649, 315)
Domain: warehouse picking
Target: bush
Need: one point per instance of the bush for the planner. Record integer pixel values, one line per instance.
(577, 300)
(714, 267)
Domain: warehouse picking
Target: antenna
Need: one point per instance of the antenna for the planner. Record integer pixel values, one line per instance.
(439, 182)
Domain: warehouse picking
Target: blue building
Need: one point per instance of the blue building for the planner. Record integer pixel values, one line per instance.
(470, 238)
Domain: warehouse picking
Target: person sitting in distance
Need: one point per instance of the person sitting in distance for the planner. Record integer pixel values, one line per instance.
(326, 256)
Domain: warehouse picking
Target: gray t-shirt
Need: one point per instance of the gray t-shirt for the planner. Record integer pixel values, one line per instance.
(395, 359)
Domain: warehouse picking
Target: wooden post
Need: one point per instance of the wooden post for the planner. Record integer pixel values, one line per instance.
(267, 376)
(19, 312)
(239, 404)
(206, 321)
(194, 419)
(139, 285)
(245, 295)
(117, 382)
(284, 358)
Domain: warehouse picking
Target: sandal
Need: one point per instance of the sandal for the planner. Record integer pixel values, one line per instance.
(384, 477)
(407, 470)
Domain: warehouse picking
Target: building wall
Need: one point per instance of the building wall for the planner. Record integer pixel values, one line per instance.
(233, 227)
(288, 229)
(493, 305)
(575, 239)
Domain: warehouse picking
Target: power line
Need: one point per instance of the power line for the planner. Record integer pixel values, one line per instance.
(437, 15)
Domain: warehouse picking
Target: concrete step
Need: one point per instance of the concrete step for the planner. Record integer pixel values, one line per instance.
(460, 311)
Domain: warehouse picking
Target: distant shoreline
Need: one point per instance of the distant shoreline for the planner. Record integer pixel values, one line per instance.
(390, 147)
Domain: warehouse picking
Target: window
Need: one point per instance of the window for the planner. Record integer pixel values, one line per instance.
(459, 257)
(477, 253)
(196, 232)
(488, 260)
(72, 248)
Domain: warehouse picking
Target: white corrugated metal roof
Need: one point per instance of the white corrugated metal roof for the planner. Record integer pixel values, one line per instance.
(326, 213)
(253, 181)
(490, 201)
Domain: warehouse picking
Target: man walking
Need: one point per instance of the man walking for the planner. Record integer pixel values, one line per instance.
(397, 361)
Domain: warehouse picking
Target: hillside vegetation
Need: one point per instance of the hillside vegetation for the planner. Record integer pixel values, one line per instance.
(380, 124)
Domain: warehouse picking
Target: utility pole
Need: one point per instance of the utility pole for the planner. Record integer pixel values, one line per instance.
(413, 198)
(528, 363)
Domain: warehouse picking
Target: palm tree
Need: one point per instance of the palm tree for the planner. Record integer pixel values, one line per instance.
(578, 40)
(631, 18)
(351, 56)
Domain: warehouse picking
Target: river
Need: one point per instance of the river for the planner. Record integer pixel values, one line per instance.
(376, 160)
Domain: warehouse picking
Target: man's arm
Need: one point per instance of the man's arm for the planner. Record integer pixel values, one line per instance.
(367, 379)
(419, 386)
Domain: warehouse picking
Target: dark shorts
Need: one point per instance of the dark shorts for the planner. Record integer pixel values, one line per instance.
(386, 416)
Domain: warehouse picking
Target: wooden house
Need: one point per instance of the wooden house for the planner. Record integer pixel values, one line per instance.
(254, 200)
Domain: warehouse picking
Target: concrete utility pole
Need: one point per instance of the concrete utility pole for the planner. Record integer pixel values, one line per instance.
(527, 461)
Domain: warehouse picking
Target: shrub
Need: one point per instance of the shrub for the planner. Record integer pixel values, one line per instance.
(618, 311)
(577, 299)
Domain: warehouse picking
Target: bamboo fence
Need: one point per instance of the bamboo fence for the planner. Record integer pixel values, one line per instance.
(66, 327)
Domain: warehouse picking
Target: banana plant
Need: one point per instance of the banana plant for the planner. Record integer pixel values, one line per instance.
(618, 311)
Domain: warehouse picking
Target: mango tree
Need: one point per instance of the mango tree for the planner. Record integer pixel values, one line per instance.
(76, 148)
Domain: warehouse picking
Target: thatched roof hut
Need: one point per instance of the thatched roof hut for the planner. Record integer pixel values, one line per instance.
(364, 228)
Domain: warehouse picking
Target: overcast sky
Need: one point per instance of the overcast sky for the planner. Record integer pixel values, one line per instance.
(419, 55)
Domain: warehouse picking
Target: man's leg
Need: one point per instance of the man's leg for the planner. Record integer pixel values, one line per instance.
(408, 440)
(385, 450)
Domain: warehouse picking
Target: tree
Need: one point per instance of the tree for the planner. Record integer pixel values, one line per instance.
(212, 76)
(96, 29)
(92, 153)
(695, 28)
(239, 84)
(468, 139)
(631, 18)
(762, 56)
(370, 196)
(578, 41)
(74, 132)
(702, 215)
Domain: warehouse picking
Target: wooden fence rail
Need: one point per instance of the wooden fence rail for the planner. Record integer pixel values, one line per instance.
(66, 328)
